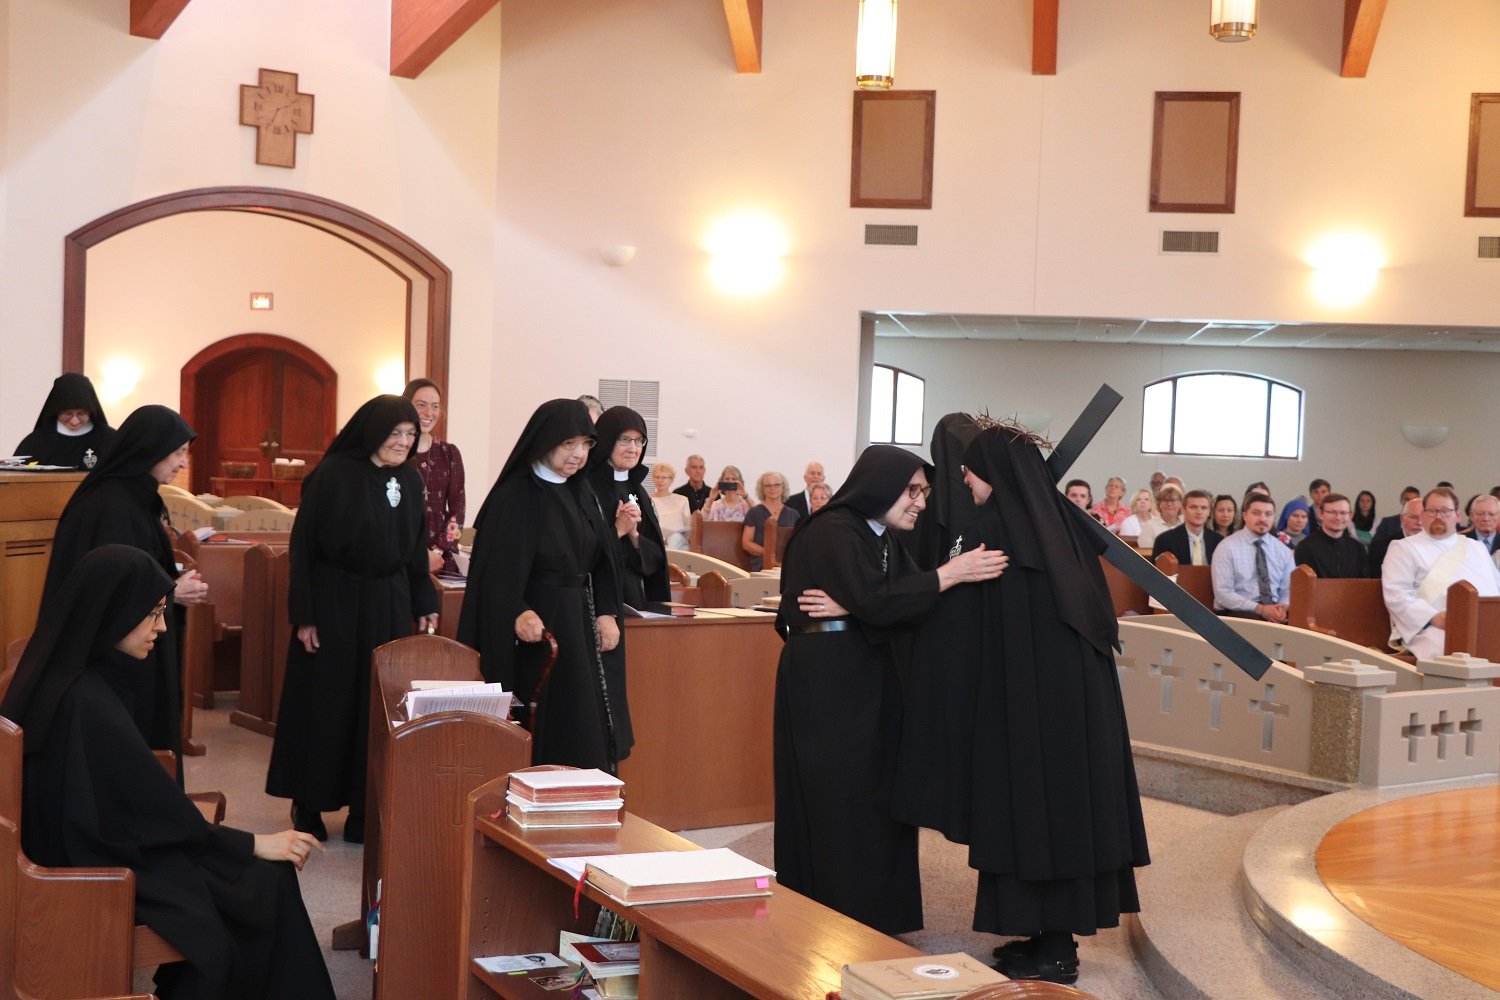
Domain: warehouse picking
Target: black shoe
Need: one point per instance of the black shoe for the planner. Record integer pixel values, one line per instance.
(1061, 970)
(354, 830)
(308, 821)
(1018, 947)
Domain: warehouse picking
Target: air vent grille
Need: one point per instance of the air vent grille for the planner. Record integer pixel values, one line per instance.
(1489, 248)
(891, 236)
(642, 397)
(1189, 241)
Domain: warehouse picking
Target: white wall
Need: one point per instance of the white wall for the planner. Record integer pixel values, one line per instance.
(623, 121)
(1354, 406)
(96, 120)
(160, 293)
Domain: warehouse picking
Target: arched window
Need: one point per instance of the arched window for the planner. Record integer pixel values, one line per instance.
(896, 399)
(1227, 414)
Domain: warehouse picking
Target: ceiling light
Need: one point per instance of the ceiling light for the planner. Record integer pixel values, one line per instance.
(1232, 20)
(875, 47)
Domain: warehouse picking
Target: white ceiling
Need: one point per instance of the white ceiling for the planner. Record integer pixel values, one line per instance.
(1087, 330)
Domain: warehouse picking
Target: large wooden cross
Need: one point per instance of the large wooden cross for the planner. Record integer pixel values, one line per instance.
(277, 112)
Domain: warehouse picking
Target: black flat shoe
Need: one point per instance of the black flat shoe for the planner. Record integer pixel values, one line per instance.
(1022, 966)
(308, 821)
(1019, 946)
(354, 830)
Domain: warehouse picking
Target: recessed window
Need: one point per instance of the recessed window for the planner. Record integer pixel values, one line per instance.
(1226, 414)
(896, 399)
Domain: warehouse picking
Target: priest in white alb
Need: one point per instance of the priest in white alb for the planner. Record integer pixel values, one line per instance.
(1419, 569)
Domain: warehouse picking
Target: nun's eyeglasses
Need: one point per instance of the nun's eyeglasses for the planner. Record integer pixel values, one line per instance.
(913, 491)
(159, 612)
(631, 442)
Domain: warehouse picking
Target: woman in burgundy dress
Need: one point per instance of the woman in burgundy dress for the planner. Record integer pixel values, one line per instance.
(442, 470)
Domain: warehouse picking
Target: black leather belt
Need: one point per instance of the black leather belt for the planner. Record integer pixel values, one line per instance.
(832, 625)
(547, 578)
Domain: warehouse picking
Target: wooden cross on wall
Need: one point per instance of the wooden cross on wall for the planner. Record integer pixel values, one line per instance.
(277, 112)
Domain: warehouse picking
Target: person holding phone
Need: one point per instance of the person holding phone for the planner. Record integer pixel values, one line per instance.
(727, 501)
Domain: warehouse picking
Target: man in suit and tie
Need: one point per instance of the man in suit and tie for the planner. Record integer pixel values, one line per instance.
(1252, 570)
(1193, 541)
(811, 476)
(1484, 515)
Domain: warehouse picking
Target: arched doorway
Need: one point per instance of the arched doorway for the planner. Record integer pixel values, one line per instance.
(254, 398)
(429, 282)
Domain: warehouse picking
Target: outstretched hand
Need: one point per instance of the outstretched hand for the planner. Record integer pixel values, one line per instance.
(972, 567)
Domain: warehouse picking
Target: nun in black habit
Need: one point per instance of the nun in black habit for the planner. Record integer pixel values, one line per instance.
(542, 562)
(838, 699)
(94, 795)
(71, 429)
(358, 579)
(1015, 742)
(118, 503)
(949, 506)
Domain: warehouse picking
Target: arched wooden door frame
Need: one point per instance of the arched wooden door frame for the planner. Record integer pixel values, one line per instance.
(390, 246)
(221, 349)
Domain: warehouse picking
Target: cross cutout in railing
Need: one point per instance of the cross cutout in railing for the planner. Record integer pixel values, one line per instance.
(1167, 673)
(1268, 708)
(1470, 727)
(1217, 688)
(1412, 732)
(1442, 730)
(457, 771)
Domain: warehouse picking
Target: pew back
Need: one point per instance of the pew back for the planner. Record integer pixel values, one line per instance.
(720, 539)
(1352, 610)
(1473, 623)
(1196, 580)
(1125, 593)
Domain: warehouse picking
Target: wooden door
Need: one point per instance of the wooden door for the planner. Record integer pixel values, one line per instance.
(256, 398)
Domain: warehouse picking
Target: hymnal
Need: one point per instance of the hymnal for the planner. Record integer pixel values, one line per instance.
(924, 977)
(565, 785)
(678, 876)
(551, 815)
(427, 697)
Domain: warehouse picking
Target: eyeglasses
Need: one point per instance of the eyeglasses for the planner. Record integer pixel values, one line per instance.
(631, 442)
(913, 491)
(401, 436)
(1441, 511)
(159, 612)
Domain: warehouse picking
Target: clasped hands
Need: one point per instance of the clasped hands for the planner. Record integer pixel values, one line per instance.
(627, 519)
(529, 628)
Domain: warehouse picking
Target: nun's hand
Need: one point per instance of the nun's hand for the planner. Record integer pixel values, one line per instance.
(434, 560)
(972, 567)
(308, 636)
(817, 604)
(191, 588)
(627, 519)
(609, 632)
(288, 845)
(529, 627)
(427, 624)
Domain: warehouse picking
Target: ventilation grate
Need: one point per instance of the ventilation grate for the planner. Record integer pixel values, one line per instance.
(891, 236)
(1489, 248)
(642, 397)
(1189, 241)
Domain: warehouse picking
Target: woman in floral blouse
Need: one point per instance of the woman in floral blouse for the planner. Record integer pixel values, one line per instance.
(442, 469)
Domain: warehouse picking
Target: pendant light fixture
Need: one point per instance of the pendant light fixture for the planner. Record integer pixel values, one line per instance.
(1232, 20)
(875, 48)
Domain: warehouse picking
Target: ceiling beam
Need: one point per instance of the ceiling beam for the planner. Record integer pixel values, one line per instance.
(1044, 37)
(422, 30)
(1361, 27)
(743, 17)
(152, 18)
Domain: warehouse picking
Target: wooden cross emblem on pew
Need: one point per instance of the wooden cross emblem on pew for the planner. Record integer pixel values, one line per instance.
(277, 112)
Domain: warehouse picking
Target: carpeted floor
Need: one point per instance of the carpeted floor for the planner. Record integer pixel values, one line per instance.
(236, 765)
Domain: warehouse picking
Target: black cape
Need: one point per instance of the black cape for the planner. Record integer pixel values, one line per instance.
(838, 705)
(94, 795)
(1015, 740)
(46, 445)
(359, 573)
(545, 547)
(118, 503)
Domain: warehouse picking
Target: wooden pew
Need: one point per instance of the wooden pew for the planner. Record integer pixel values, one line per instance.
(720, 539)
(1473, 623)
(264, 641)
(196, 648)
(1127, 595)
(713, 590)
(1352, 610)
(416, 817)
(776, 540)
(222, 565)
(1196, 580)
(64, 932)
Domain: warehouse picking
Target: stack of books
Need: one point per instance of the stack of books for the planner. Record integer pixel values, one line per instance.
(614, 966)
(925, 977)
(564, 798)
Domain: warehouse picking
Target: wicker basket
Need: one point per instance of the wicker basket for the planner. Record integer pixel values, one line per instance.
(238, 470)
(288, 471)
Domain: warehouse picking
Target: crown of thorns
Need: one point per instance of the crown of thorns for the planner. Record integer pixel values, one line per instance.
(1008, 424)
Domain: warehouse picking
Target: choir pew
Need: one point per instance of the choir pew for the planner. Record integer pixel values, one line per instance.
(1196, 580)
(266, 635)
(1348, 609)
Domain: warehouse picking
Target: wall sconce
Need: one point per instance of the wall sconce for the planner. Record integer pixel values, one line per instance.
(390, 378)
(617, 254)
(261, 300)
(1232, 20)
(121, 376)
(1424, 435)
(745, 254)
(875, 45)
(1345, 268)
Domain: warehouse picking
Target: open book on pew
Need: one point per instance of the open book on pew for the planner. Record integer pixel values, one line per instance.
(660, 609)
(671, 876)
(428, 697)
